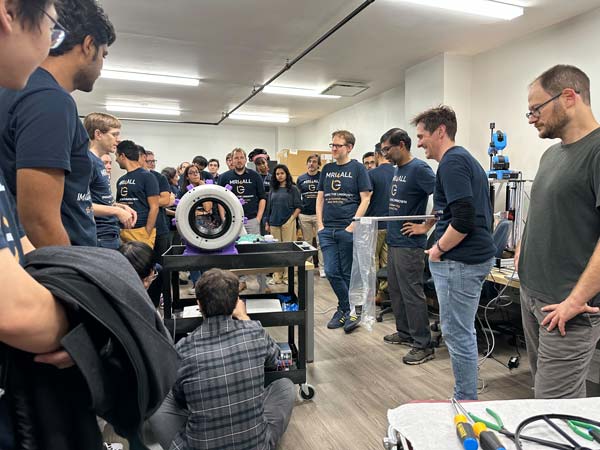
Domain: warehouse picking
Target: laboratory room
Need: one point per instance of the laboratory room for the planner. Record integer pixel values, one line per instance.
(299, 225)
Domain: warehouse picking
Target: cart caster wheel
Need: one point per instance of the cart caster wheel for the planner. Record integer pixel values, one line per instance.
(307, 391)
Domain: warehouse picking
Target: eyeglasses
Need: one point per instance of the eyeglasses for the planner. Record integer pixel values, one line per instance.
(336, 146)
(152, 161)
(387, 149)
(537, 111)
(59, 33)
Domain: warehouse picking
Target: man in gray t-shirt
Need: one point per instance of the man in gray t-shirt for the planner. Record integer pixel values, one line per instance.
(559, 258)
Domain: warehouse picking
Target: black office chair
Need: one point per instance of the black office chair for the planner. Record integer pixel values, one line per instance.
(385, 307)
(500, 236)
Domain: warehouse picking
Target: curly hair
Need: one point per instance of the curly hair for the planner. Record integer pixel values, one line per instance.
(83, 18)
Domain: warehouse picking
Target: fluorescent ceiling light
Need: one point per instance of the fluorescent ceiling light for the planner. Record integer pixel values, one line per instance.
(150, 109)
(298, 92)
(478, 7)
(149, 77)
(257, 117)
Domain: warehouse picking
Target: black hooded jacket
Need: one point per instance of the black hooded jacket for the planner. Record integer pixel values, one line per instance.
(125, 360)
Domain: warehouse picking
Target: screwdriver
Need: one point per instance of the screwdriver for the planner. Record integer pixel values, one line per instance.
(487, 438)
(464, 430)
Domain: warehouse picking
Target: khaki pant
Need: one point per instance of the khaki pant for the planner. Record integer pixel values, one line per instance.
(139, 235)
(284, 233)
(308, 225)
(381, 259)
(559, 364)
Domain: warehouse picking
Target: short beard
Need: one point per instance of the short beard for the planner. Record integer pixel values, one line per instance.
(555, 127)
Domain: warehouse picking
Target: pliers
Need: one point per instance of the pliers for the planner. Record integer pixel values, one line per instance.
(591, 433)
(500, 428)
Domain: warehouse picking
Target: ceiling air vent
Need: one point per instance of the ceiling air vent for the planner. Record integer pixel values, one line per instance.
(346, 88)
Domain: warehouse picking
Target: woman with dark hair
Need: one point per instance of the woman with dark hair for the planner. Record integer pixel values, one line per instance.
(192, 177)
(140, 256)
(172, 176)
(283, 207)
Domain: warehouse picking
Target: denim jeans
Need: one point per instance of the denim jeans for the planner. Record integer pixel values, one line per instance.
(458, 288)
(336, 245)
(109, 241)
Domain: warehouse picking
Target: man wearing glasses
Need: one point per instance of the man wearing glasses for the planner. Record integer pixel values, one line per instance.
(31, 320)
(104, 132)
(413, 181)
(43, 145)
(344, 192)
(166, 198)
(559, 257)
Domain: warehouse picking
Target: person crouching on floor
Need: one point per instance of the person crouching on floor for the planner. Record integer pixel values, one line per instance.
(219, 400)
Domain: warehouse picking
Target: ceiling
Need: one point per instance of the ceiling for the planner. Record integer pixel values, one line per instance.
(233, 45)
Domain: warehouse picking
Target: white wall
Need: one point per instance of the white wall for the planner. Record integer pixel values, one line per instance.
(501, 78)
(424, 88)
(458, 74)
(174, 143)
(367, 120)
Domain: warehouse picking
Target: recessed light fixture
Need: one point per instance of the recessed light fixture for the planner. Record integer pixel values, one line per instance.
(149, 77)
(297, 92)
(142, 109)
(258, 117)
(485, 8)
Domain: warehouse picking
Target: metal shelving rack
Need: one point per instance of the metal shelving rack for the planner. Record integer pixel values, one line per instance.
(290, 255)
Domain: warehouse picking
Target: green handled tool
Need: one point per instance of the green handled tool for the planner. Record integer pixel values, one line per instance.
(500, 428)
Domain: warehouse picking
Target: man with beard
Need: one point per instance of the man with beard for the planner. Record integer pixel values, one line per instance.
(559, 255)
(44, 145)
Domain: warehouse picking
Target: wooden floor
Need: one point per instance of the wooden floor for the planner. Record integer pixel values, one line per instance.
(357, 378)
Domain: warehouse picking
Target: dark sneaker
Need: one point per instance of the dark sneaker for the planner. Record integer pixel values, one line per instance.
(418, 356)
(396, 339)
(337, 321)
(352, 323)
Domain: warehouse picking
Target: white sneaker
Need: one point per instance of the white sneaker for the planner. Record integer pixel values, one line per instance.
(113, 446)
(322, 273)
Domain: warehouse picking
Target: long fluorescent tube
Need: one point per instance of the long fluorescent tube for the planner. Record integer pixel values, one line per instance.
(260, 117)
(485, 8)
(143, 110)
(149, 77)
(297, 92)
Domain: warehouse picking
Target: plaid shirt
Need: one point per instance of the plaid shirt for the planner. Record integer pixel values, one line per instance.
(221, 380)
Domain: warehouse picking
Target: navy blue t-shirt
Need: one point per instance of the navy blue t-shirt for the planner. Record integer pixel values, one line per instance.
(162, 224)
(102, 195)
(381, 180)
(133, 189)
(10, 229)
(41, 130)
(341, 186)
(281, 205)
(266, 181)
(309, 188)
(411, 186)
(10, 237)
(247, 186)
(460, 176)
